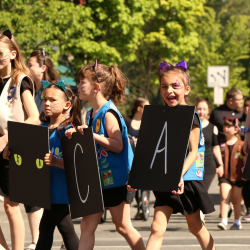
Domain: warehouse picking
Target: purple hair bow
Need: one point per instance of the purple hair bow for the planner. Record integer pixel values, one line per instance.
(181, 64)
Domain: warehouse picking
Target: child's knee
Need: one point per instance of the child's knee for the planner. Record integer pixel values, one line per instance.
(158, 229)
(195, 228)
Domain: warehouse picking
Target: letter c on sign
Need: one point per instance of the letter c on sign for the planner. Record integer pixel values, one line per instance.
(83, 201)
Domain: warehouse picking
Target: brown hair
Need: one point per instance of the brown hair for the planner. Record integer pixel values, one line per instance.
(112, 80)
(75, 109)
(232, 93)
(203, 100)
(172, 68)
(50, 74)
(138, 103)
(232, 124)
(18, 63)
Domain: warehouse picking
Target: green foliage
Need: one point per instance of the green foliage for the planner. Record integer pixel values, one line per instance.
(136, 34)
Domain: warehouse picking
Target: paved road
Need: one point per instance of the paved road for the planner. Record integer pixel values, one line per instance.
(177, 235)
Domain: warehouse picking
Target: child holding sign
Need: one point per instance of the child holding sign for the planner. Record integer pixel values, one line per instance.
(192, 195)
(99, 84)
(16, 104)
(57, 99)
(234, 160)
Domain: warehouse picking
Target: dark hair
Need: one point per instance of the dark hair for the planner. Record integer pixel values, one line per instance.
(232, 93)
(203, 100)
(232, 123)
(246, 99)
(172, 68)
(50, 74)
(75, 109)
(112, 80)
(18, 63)
(138, 103)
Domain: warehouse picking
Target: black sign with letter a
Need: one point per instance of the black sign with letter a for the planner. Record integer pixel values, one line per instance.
(29, 175)
(161, 148)
(82, 174)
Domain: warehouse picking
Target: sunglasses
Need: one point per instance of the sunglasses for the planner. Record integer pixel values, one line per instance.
(8, 33)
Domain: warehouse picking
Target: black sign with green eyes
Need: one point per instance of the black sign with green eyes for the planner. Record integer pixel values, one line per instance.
(29, 176)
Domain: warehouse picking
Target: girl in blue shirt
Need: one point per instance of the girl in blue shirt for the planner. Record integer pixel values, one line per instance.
(58, 99)
(102, 85)
(192, 195)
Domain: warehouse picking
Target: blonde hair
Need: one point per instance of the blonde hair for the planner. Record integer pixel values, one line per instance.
(18, 63)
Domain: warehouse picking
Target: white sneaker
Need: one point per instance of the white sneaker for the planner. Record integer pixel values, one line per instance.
(236, 227)
(222, 226)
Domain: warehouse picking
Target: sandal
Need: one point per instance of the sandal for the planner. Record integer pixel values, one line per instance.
(29, 248)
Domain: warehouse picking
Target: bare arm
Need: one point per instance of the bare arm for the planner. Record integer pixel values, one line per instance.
(32, 112)
(193, 149)
(114, 142)
(30, 108)
(247, 135)
(50, 160)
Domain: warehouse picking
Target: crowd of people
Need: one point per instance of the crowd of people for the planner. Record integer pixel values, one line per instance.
(34, 94)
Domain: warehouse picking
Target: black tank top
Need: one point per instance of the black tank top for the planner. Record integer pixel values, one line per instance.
(211, 140)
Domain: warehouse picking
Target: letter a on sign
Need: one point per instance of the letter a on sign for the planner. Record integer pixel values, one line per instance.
(157, 150)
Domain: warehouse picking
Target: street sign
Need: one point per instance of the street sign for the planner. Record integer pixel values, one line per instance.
(218, 76)
(218, 95)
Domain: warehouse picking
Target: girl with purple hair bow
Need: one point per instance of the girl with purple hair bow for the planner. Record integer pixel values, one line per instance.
(191, 197)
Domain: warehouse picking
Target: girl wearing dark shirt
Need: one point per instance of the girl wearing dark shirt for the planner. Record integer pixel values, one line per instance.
(213, 160)
(11, 68)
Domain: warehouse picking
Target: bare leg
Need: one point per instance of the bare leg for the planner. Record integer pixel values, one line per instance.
(3, 244)
(199, 231)
(158, 227)
(88, 227)
(34, 222)
(121, 217)
(236, 200)
(15, 218)
(225, 190)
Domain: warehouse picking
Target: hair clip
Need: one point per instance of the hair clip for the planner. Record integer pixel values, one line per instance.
(73, 95)
(60, 85)
(8, 33)
(95, 68)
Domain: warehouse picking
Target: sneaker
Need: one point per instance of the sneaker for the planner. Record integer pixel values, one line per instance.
(246, 217)
(243, 210)
(236, 227)
(222, 226)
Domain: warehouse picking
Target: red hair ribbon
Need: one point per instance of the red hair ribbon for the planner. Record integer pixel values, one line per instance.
(73, 95)
(229, 119)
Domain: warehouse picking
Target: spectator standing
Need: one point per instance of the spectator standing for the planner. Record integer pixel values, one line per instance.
(231, 108)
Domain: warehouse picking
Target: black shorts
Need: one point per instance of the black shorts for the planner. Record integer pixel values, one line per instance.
(238, 184)
(113, 197)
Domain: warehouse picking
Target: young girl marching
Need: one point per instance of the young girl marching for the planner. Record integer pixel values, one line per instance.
(231, 183)
(16, 104)
(57, 99)
(99, 84)
(192, 195)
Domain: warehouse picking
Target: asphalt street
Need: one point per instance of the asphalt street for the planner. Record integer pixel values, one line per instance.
(177, 235)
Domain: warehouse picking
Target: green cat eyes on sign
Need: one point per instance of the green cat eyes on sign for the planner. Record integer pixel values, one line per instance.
(39, 163)
(18, 159)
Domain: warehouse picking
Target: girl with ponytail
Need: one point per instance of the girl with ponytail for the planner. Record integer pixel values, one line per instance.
(103, 86)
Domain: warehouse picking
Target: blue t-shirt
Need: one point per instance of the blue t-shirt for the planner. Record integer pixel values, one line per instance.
(58, 185)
